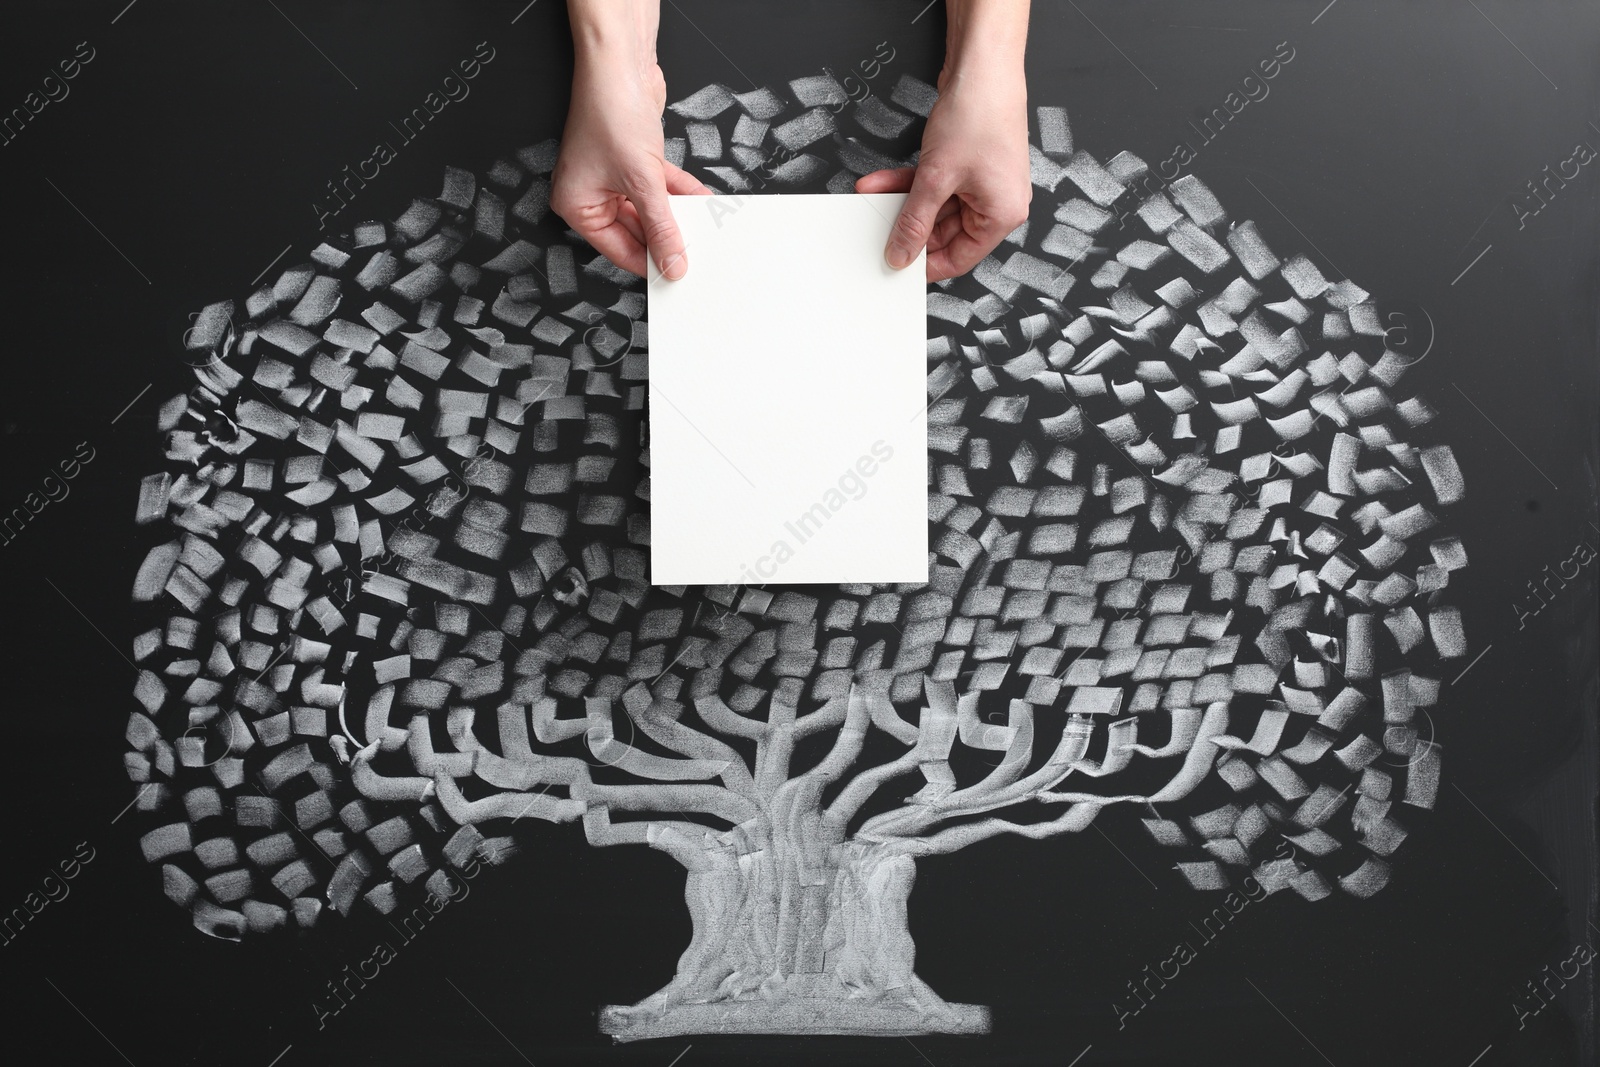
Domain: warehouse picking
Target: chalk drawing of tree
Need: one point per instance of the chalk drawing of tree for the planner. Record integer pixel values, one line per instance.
(1185, 562)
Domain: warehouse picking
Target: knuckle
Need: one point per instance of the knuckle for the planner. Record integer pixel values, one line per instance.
(659, 231)
(562, 202)
(909, 229)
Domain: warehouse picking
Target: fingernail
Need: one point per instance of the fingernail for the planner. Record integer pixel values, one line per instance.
(674, 266)
(896, 256)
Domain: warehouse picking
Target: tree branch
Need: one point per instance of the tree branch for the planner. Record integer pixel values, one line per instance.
(832, 713)
(1196, 764)
(606, 748)
(654, 719)
(702, 799)
(885, 718)
(549, 729)
(1016, 738)
(1196, 731)
(504, 805)
(1185, 728)
(389, 738)
(717, 715)
(1075, 818)
(775, 749)
(419, 743)
(934, 734)
(844, 807)
(689, 843)
(369, 783)
(855, 711)
(519, 767)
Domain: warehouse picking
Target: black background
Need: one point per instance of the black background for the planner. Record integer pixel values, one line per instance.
(1396, 141)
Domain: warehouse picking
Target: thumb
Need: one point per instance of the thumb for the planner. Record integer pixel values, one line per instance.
(915, 224)
(660, 229)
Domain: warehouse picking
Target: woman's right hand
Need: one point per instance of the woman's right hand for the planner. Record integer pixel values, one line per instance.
(612, 178)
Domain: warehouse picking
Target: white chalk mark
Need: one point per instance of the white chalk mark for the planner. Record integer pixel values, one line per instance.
(280, 1056)
(491, 1023)
(924, 11)
(1322, 810)
(537, 793)
(479, 612)
(313, 44)
(671, 665)
(101, 232)
(132, 402)
(1323, 12)
(1513, 44)
(281, 653)
(680, 1056)
(539, 797)
(1480, 1056)
(1502, 833)
(310, 841)
(547, 387)
(1502, 433)
(1474, 262)
(1080, 1056)
(1290, 1021)
(1113, 44)
(269, 266)
(921, 1053)
(1062, 673)
(524, 11)
(124, 11)
(90, 1021)
(1471, 665)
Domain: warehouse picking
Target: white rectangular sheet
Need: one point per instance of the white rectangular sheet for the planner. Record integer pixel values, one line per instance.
(788, 424)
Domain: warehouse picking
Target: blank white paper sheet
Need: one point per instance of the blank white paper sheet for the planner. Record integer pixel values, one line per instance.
(788, 424)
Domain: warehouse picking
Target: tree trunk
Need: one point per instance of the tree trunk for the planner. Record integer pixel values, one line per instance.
(797, 938)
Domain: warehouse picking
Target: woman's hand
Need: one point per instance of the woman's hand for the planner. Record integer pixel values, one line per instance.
(611, 179)
(971, 185)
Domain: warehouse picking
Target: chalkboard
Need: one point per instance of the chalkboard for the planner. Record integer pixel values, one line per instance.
(164, 156)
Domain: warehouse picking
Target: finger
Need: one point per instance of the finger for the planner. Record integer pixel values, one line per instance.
(886, 181)
(958, 255)
(628, 216)
(619, 246)
(944, 231)
(979, 234)
(915, 224)
(681, 183)
(601, 226)
(660, 229)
